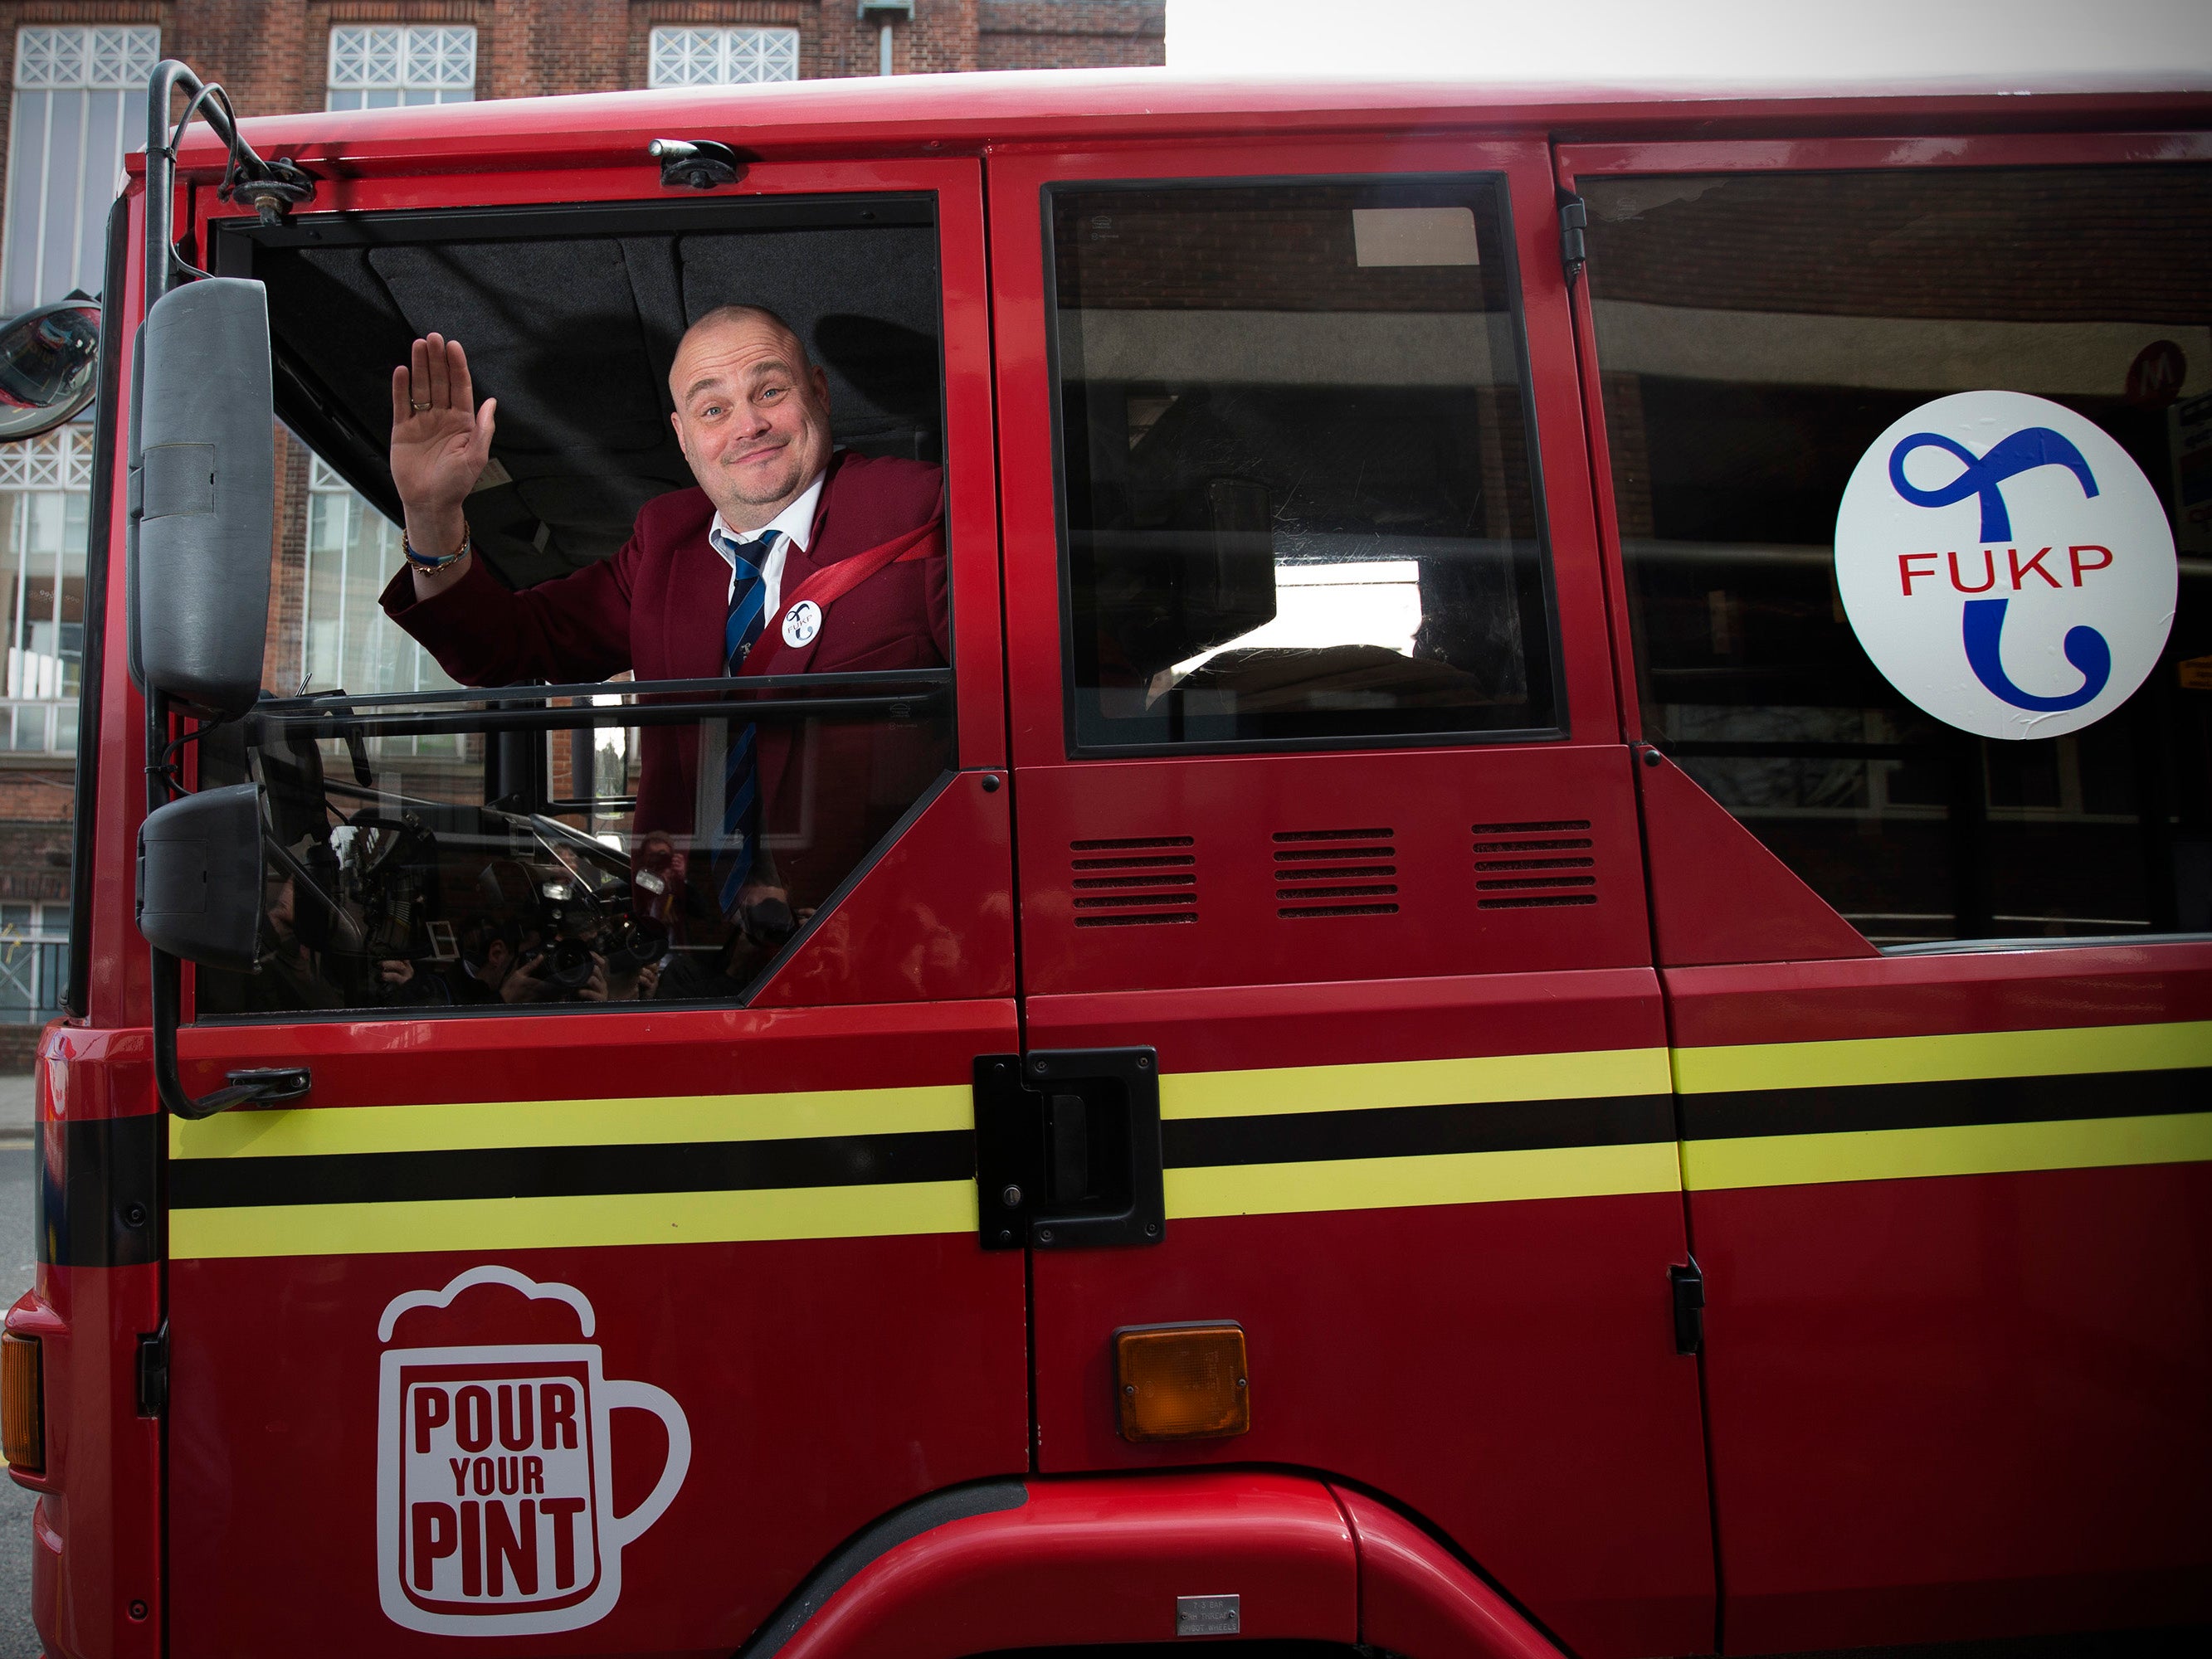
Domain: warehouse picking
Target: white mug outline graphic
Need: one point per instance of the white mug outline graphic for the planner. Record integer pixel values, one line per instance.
(611, 1533)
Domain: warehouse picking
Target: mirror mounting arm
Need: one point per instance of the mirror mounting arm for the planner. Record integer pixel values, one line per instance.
(272, 187)
(265, 1087)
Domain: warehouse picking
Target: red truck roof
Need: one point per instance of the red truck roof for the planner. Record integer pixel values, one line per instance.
(969, 112)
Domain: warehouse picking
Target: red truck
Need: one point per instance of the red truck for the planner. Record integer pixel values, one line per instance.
(1453, 1029)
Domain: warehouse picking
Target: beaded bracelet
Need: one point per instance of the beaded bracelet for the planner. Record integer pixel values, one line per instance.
(421, 561)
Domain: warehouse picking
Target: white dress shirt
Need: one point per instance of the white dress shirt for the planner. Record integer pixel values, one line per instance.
(797, 524)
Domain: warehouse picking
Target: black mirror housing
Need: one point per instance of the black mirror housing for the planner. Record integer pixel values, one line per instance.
(200, 876)
(203, 492)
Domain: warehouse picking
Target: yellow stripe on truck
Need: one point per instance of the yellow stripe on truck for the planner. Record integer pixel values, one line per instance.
(586, 1222)
(675, 1120)
(1958, 1057)
(1973, 1149)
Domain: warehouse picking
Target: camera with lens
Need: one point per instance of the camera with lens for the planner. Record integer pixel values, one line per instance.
(568, 964)
(634, 943)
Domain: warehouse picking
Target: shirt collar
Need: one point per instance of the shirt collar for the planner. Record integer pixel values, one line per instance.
(795, 521)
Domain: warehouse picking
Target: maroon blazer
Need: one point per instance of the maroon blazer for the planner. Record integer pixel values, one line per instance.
(658, 608)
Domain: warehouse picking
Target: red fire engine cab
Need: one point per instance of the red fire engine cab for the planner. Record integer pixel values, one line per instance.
(1536, 978)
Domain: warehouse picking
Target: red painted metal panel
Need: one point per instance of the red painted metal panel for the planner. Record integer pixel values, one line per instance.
(1717, 895)
(1921, 996)
(1939, 1407)
(1094, 1561)
(613, 1056)
(926, 113)
(97, 1549)
(1417, 1599)
(119, 969)
(1500, 1399)
(1506, 1369)
(776, 1350)
(1444, 812)
(932, 918)
(824, 1382)
(1323, 1023)
(1969, 1406)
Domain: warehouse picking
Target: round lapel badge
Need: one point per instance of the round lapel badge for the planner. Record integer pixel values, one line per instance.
(801, 623)
(2006, 565)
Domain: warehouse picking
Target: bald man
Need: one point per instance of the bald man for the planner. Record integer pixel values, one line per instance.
(734, 576)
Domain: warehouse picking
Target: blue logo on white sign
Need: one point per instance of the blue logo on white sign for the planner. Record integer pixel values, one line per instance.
(2006, 565)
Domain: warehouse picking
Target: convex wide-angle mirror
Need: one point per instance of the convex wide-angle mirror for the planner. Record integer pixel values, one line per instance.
(48, 367)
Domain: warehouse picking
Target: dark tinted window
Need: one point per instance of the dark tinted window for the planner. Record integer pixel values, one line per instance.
(1756, 333)
(1296, 460)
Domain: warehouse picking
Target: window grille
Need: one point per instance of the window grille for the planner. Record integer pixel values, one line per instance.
(45, 495)
(383, 65)
(80, 102)
(723, 58)
(33, 962)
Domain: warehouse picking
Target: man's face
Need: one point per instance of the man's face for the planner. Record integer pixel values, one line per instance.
(752, 417)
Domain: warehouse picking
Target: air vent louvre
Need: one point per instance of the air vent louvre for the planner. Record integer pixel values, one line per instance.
(1134, 881)
(1335, 872)
(1536, 864)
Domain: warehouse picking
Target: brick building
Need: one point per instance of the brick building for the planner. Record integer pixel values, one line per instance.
(73, 76)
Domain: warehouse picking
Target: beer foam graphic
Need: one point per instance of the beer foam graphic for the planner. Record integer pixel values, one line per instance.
(490, 1274)
(496, 1507)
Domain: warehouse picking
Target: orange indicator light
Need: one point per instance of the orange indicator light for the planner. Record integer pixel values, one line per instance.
(23, 1404)
(1181, 1382)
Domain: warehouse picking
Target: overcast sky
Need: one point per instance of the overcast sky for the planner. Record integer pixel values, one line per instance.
(1587, 42)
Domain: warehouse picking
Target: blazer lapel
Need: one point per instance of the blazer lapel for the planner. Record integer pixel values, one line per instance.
(701, 589)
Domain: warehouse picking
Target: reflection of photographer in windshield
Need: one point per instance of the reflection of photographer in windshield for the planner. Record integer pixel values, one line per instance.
(291, 975)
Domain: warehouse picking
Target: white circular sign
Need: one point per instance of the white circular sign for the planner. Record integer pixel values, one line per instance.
(801, 623)
(2006, 564)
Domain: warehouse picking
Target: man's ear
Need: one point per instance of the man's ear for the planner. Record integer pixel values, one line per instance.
(677, 421)
(821, 384)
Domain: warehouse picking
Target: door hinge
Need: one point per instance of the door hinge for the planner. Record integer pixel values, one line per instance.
(1067, 1149)
(154, 1372)
(1574, 245)
(1688, 1286)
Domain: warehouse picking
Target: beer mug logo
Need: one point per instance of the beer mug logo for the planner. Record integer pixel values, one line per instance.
(494, 1477)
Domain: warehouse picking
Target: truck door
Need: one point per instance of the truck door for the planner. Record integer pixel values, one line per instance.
(617, 1263)
(1323, 810)
(1941, 1001)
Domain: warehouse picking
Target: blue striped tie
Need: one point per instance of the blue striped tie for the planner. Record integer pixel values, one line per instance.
(740, 835)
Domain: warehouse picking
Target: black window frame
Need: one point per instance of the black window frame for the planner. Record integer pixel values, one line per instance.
(1562, 731)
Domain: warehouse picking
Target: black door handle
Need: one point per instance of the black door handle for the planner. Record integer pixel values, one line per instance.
(1067, 1149)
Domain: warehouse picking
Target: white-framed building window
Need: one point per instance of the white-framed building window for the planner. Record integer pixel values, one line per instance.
(46, 497)
(382, 66)
(723, 58)
(80, 102)
(33, 962)
(346, 641)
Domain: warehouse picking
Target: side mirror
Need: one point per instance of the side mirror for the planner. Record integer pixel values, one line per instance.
(48, 367)
(203, 483)
(200, 878)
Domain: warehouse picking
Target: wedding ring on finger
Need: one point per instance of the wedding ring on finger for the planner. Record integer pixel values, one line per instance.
(417, 408)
